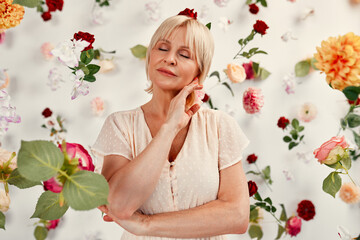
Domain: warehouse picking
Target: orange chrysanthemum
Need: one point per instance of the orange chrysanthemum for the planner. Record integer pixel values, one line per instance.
(339, 58)
(10, 14)
(349, 193)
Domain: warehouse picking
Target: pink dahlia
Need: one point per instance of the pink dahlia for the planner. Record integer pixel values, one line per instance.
(253, 100)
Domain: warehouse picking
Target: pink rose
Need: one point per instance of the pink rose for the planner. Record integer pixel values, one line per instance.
(52, 224)
(250, 74)
(323, 152)
(53, 185)
(293, 226)
(236, 73)
(75, 150)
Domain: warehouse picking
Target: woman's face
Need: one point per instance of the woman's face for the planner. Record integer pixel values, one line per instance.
(172, 64)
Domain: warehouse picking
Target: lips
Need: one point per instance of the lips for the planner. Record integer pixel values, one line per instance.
(166, 72)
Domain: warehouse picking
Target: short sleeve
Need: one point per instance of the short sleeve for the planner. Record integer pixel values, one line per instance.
(232, 141)
(112, 139)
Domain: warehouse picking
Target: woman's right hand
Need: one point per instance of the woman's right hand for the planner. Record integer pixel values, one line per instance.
(178, 116)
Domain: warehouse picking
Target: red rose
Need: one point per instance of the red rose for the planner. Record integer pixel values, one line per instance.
(253, 8)
(252, 188)
(189, 13)
(357, 102)
(251, 158)
(47, 112)
(46, 16)
(85, 37)
(260, 27)
(283, 122)
(250, 74)
(205, 98)
(306, 210)
(54, 5)
(52, 224)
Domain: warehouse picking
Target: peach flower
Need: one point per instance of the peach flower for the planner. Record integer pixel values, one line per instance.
(5, 156)
(349, 193)
(97, 105)
(236, 73)
(307, 112)
(4, 201)
(46, 50)
(328, 152)
(106, 66)
(339, 58)
(12, 14)
(253, 100)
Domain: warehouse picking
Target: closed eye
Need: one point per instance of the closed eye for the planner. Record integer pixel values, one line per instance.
(162, 49)
(184, 56)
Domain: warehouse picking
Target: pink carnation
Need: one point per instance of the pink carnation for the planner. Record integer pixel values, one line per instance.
(53, 185)
(253, 100)
(293, 226)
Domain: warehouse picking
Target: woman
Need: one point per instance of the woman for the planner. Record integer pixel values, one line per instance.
(174, 168)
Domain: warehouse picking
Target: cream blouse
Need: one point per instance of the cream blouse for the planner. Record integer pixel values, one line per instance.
(214, 142)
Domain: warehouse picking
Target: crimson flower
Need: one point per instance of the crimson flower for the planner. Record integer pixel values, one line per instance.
(54, 5)
(283, 122)
(52, 224)
(47, 112)
(85, 36)
(306, 210)
(357, 102)
(260, 27)
(205, 98)
(46, 16)
(251, 158)
(189, 13)
(253, 8)
(250, 74)
(252, 188)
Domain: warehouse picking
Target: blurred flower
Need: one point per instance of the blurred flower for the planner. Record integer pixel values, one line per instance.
(85, 36)
(77, 76)
(289, 82)
(252, 188)
(4, 79)
(307, 112)
(54, 5)
(68, 52)
(54, 79)
(330, 151)
(4, 201)
(203, 11)
(249, 71)
(46, 16)
(106, 65)
(2, 36)
(253, 8)
(221, 3)
(80, 88)
(350, 193)
(236, 73)
(344, 233)
(97, 15)
(260, 27)
(46, 50)
(339, 58)
(292, 0)
(51, 122)
(75, 150)
(224, 23)
(97, 105)
(199, 96)
(306, 157)
(251, 158)
(283, 122)
(189, 12)
(293, 226)
(205, 98)
(53, 185)
(357, 102)
(11, 14)
(287, 36)
(152, 10)
(5, 156)
(288, 175)
(306, 210)
(7, 112)
(46, 113)
(253, 100)
(355, 1)
(52, 224)
(307, 13)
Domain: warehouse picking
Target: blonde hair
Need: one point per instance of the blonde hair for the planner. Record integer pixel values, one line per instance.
(198, 37)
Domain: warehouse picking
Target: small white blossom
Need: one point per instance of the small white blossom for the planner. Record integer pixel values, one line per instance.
(69, 51)
(54, 79)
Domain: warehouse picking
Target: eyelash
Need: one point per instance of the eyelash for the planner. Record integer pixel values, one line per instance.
(162, 49)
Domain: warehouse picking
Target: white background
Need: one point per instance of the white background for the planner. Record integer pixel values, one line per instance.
(122, 89)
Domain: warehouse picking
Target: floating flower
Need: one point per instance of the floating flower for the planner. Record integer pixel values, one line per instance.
(75, 150)
(11, 14)
(287, 36)
(293, 226)
(224, 23)
(97, 105)
(2, 36)
(289, 82)
(306, 210)
(53, 185)
(221, 3)
(205, 98)
(4, 79)
(85, 36)
(204, 11)
(152, 10)
(54, 79)
(252, 188)
(46, 16)
(189, 13)
(288, 175)
(68, 52)
(236, 73)
(46, 50)
(251, 158)
(249, 71)
(253, 8)
(253, 100)
(350, 193)
(283, 122)
(307, 112)
(260, 27)
(97, 15)
(344, 233)
(46, 113)
(7, 112)
(339, 58)
(5, 156)
(307, 13)
(4, 201)
(328, 152)
(106, 66)
(52, 224)
(80, 88)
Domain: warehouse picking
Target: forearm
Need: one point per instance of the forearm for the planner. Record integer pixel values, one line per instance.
(211, 219)
(131, 185)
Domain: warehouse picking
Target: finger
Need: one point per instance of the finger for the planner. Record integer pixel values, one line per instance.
(107, 218)
(194, 108)
(189, 89)
(103, 208)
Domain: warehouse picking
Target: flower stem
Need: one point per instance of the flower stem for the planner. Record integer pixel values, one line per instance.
(6, 186)
(347, 173)
(263, 176)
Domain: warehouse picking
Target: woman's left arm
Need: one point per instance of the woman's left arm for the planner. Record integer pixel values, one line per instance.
(229, 214)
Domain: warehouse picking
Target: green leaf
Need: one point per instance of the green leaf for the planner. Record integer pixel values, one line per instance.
(287, 139)
(252, 207)
(40, 233)
(93, 68)
(86, 190)
(346, 162)
(302, 68)
(260, 204)
(39, 160)
(254, 214)
(358, 238)
(248, 2)
(2, 220)
(228, 86)
(301, 128)
(256, 68)
(28, 3)
(215, 73)
(21, 182)
(97, 54)
(294, 134)
(283, 216)
(90, 78)
(241, 41)
(257, 196)
(267, 208)
(266, 172)
(208, 25)
(353, 120)
(255, 231)
(253, 172)
(357, 139)
(260, 51)
(48, 206)
(210, 103)
(301, 138)
(273, 209)
(313, 61)
(292, 145)
(281, 230)
(253, 50)
(332, 183)
(139, 51)
(85, 70)
(335, 165)
(268, 200)
(351, 92)
(264, 74)
(87, 56)
(263, 2)
(295, 123)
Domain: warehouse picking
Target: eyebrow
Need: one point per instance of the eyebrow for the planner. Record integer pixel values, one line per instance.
(167, 41)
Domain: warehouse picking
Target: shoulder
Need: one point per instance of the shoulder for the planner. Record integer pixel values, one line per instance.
(123, 114)
(218, 115)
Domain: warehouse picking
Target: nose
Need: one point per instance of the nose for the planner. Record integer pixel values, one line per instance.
(169, 58)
